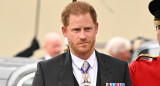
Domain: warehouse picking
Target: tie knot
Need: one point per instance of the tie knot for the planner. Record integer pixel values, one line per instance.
(85, 66)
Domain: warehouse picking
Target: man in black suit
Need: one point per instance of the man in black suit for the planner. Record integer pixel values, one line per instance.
(81, 65)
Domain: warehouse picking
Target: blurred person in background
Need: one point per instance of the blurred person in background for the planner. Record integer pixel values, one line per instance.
(144, 72)
(137, 42)
(52, 45)
(119, 47)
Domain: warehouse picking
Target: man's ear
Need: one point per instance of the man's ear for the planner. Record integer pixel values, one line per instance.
(64, 31)
(96, 27)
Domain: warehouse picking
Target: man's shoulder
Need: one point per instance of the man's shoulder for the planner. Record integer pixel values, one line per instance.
(144, 60)
(54, 61)
(111, 60)
(108, 57)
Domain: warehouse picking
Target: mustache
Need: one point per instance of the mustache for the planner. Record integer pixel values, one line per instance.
(80, 42)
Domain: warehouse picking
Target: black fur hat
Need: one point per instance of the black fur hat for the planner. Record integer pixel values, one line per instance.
(154, 8)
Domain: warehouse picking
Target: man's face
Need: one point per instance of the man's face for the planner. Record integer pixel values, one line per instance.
(125, 55)
(53, 48)
(81, 33)
(158, 34)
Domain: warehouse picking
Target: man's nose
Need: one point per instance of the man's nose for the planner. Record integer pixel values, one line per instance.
(82, 35)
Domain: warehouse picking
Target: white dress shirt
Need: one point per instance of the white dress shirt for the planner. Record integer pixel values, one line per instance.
(77, 64)
(46, 57)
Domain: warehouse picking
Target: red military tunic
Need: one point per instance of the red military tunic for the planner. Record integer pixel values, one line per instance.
(145, 72)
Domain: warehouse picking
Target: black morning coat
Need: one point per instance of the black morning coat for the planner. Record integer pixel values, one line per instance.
(58, 71)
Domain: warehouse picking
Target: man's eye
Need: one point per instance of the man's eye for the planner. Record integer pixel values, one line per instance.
(87, 28)
(77, 29)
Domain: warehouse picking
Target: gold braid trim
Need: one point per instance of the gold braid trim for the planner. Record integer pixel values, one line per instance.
(145, 55)
(157, 22)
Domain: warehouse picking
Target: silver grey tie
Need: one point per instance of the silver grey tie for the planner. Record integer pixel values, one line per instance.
(86, 78)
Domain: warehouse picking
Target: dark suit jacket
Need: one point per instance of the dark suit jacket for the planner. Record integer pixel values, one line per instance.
(58, 71)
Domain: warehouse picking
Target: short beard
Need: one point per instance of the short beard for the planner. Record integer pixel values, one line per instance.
(81, 51)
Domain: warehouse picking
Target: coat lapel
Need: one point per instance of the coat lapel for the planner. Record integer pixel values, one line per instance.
(105, 69)
(66, 71)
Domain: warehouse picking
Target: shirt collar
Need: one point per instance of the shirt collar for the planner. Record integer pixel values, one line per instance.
(46, 57)
(79, 62)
